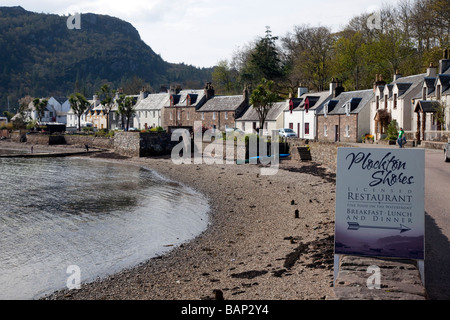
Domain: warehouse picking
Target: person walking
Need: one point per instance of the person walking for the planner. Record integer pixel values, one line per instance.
(401, 138)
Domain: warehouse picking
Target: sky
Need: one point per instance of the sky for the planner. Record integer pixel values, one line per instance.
(203, 32)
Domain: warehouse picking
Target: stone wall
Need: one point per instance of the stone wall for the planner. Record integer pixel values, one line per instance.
(138, 144)
(93, 142)
(324, 153)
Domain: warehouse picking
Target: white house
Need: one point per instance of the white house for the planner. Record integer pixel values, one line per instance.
(394, 102)
(249, 121)
(149, 111)
(55, 112)
(434, 98)
(301, 115)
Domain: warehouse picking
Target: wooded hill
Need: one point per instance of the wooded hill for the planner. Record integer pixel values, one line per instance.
(41, 57)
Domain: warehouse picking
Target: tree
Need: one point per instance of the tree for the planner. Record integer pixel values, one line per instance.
(262, 99)
(225, 78)
(79, 106)
(126, 108)
(40, 106)
(309, 53)
(107, 102)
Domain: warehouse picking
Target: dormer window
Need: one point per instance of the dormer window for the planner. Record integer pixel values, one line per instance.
(424, 93)
(438, 92)
(395, 101)
(378, 102)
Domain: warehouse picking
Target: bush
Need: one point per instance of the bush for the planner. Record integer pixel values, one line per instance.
(392, 131)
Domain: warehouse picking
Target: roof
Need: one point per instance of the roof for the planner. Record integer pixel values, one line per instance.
(155, 101)
(181, 98)
(222, 103)
(409, 83)
(426, 106)
(358, 100)
(272, 115)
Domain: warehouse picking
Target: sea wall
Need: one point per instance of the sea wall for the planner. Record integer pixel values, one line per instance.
(138, 144)
(75, 140)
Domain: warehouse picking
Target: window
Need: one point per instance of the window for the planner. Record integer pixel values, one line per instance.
(171, 116)
(347, 131)
(243, 126)
(306, 128)
(187, 115)
(325, 131)
(378, 102)
(179, 115)
(291, 125)
(395, 101)
(203, 116)
(424, 93)
(214, 115)
(385, 101)
(226, 115)
(153, 113)
(438, 92)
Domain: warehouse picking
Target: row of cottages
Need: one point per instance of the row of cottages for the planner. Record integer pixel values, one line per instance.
(409, 100)
(330, 116)
(96, 117)
(215, 112)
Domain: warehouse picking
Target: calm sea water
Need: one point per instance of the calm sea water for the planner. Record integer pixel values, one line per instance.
(99, 216)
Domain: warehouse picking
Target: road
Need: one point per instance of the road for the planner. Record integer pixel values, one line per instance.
(437, 225)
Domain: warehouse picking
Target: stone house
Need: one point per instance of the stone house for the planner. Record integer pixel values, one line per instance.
(221, 112)
(179, 111)
(345, 118)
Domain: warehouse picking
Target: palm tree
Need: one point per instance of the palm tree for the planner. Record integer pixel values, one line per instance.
(40, 106)
(262, 99)
(79, 106)
(126, 108)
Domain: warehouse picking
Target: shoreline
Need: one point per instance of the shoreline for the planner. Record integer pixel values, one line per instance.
(254, 248)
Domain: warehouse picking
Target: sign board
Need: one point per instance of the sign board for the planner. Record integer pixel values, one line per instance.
(380, 209)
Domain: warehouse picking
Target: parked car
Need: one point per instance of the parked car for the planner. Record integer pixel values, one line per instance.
(287, 133)
(447, 152)
(234, 130)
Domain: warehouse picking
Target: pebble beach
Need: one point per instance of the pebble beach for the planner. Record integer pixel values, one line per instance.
(270, 238)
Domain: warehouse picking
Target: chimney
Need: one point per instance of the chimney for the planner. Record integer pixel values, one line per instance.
(302, 91)
(444, 64)
(378, 82)
(431, 71)
(209, 91)
(245, 95)
(333, 86)
(339, 89)
(397, 75)
(96, 102)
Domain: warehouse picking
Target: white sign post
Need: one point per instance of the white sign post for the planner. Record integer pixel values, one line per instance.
(380, 209)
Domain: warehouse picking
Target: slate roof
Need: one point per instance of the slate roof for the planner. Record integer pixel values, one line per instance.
(155, 101)
(426, 106)
(357, 99)
(272, 115)
(222, 103)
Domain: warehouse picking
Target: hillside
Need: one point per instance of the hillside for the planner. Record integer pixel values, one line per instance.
(40, 56)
